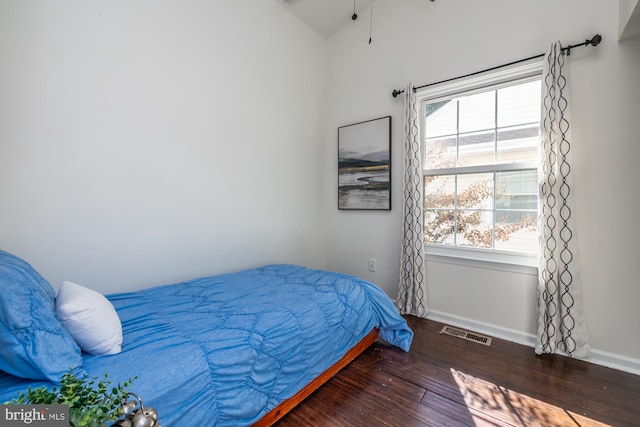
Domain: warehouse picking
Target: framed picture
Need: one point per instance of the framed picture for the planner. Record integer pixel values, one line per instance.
(364, 165)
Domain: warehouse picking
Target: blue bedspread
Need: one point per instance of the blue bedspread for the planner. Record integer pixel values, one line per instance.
(225, 350)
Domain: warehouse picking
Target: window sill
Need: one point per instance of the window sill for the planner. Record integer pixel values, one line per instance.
(478, 258)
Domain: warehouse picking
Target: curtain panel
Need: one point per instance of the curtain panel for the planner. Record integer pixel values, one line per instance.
(561, 327)
(412, 290)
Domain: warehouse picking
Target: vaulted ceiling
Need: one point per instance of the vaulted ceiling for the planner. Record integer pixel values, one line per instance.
(328, 16)
(325, 16)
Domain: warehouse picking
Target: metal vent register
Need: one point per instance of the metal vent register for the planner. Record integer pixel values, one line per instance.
(470, 336)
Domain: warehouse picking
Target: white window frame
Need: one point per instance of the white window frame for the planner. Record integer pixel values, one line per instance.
(481, 258)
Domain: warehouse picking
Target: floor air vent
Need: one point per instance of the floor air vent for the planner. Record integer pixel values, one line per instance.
(470, 336)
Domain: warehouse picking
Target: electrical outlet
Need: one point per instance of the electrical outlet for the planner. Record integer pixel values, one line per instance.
(373, 265)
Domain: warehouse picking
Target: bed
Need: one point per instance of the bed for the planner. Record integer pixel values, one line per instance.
(233, 349)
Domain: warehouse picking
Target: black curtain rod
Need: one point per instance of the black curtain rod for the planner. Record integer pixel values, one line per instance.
(594, 41)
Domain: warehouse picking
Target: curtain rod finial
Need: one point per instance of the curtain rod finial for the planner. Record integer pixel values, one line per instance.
(595, 40)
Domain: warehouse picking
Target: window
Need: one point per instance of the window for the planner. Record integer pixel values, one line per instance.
(480, 145)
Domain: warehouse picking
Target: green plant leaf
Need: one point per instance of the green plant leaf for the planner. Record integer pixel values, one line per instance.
(91, 401)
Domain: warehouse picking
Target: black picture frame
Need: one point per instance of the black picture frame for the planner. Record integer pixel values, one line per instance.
(364, 165)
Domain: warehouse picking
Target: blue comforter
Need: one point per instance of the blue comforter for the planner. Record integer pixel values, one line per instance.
(225, 350)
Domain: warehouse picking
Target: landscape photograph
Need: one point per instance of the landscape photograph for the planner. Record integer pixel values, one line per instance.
(364, 165)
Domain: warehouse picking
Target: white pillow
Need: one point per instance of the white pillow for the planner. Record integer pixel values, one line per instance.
(89, 318)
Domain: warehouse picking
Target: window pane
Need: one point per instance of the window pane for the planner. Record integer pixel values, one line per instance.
(474, 229)
(477, 112)
(440, 192)
(439, 226)
(519, 104)
(475, 191)
(519, 143)
(517, 190)
(516, 231)
(516, 211)
(476, 148)
(442, 118)
(440, 152)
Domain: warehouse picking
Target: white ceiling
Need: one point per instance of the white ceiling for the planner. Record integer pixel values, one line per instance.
(325, 16)
(328, 16)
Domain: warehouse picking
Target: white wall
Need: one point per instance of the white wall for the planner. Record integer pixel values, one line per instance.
(153, 141)
(425, 42)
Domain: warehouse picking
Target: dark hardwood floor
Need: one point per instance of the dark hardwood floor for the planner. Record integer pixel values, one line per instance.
(447, 381)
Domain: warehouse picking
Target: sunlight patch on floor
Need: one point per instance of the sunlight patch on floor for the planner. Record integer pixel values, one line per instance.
(513, 407)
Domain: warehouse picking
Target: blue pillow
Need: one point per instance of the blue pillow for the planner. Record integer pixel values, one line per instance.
(33, 342)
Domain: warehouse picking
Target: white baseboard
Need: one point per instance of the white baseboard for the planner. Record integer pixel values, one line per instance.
(615, 361)
(598, 357)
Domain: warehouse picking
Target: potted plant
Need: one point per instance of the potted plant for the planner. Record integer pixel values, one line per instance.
(92, 402)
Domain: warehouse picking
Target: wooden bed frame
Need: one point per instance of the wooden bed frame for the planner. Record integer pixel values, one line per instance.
(287, 405)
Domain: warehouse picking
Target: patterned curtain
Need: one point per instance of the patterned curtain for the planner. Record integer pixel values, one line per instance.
(560, 322)
(412, 292)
